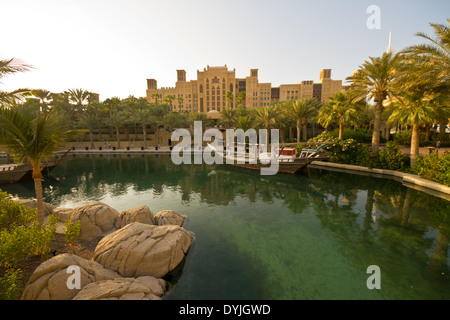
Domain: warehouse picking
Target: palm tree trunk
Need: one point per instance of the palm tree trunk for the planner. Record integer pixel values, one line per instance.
(37, 177)
(341, 131)
(305, 130)
(377, 126)
(91, 138)
(298, 130)
(144, 131)
(414, 144)
(118, 137)
(442, 126)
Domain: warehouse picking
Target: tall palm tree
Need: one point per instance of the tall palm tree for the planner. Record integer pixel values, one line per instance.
(414, 109)
(432, 65)
(7, 67)
(244, 122)
(227, 117)
(339, 109)
(300, 111)
(34, 139)
(373, 80)
(144, 118)
(88, 121)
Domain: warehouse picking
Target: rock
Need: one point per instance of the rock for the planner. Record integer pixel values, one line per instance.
(96, 218)
(140, 214)
(169, 217)
(142, 288)
(143, 250)
(32, 203)
(63, 214)
(49, 280)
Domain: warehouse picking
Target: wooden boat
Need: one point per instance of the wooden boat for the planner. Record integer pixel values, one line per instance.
(12, 173)
(287, 159)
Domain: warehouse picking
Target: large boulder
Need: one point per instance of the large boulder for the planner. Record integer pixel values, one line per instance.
(49, 280)
(97, 219)
(143, 250)
(32, 204)
(168, 217)
(142, 288)
(140, 214)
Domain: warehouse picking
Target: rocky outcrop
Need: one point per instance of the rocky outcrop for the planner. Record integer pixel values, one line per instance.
(169, 217)
(142, 288)
(49, 280)
(143, 250)
(97, 219)
(140, 214)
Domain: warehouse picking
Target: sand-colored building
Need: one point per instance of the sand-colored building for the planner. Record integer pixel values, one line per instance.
(217, 88)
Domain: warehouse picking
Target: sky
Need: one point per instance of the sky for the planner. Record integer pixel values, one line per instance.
(111, 47)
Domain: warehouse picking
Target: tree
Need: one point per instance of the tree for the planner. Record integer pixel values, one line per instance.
(7, 67)
(339, 109)
(88, 121)
(34, 139)
(116, 120)
(144, 118)
(228, 117)
(432, 65)
(414, 109)
(300, 111)
(373, 80)
(244, 122)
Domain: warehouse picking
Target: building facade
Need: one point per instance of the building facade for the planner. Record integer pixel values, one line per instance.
(217, 88)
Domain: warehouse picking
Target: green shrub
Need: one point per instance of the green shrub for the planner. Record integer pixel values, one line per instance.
(21, 237)
(13, 213)
(390, 158)
(350, 152)
(72, 231)
(434, 167)
(10, 287)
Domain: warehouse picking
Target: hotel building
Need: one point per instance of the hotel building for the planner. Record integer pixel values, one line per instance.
(217, 88)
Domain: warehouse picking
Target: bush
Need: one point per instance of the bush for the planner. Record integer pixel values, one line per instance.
(72, 231)
(390, 158)
(350, 152)
(21, 237)
(434, 167)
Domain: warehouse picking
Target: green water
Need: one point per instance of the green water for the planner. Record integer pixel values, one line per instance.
(310, 236)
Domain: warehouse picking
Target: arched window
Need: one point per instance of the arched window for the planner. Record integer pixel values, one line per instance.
(201, 88)
(231, 87)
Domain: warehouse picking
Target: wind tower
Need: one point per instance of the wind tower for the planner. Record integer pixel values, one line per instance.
(389, 50)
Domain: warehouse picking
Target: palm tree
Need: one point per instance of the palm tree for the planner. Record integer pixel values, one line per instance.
(116, 120)
(432, 65)
(373, 80)
(227, 117)
(414, 109)
(300, 111)
(34, 139)
(230, 98)
(43, 95)
(145, 118)
(244, 122)
(88, 121)
(339, 109)
(7, 67)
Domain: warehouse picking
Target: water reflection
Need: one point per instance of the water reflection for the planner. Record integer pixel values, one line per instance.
(404, 231)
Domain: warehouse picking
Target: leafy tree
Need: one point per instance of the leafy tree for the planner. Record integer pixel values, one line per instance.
(339, 109)
(33, 139)
(373, 80)
(300, 111)
(8, 67)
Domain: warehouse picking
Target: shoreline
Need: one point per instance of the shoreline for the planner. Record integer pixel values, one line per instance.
(407, 179)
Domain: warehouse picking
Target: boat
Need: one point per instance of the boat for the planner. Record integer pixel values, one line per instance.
(288, 159)
(12, 173)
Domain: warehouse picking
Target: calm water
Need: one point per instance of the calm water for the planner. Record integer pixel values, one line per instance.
(310, 236)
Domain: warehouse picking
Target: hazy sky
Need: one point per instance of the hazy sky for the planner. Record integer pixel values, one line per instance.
(112, 46)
